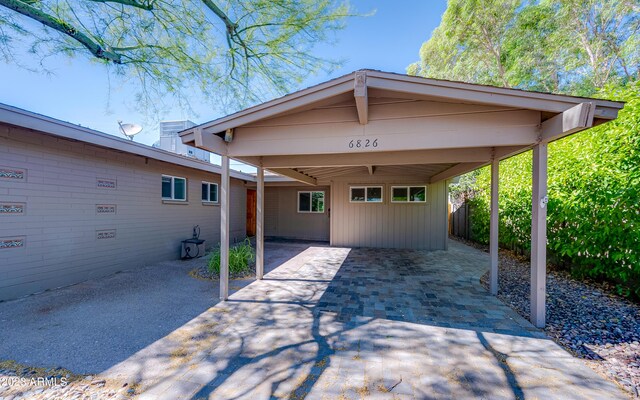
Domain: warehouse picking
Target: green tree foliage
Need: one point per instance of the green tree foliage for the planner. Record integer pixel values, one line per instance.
(469, 43)
(563, 46)
(567, 46)
(242, 50)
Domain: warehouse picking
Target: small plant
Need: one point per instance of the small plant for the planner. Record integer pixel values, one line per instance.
(240, 257)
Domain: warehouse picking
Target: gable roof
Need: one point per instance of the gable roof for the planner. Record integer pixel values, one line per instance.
(414, 87)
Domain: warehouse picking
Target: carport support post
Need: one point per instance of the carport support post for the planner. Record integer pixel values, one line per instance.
(493, 235)
(224, 229)
(259, 224)
(539, 236)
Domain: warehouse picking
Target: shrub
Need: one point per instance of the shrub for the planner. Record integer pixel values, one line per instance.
(240, 257)
(594, 199)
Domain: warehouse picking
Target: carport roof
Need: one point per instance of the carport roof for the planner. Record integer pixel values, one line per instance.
(439, 88)
(453, 126)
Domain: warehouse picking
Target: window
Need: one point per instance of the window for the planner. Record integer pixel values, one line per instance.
(210, 192)
(366, 194)
(310, 202)
(174, 188)
(408, 194)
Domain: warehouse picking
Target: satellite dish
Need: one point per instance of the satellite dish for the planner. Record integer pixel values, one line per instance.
(129, 130)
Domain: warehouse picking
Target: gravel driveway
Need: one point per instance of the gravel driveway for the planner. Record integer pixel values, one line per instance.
(91, 326)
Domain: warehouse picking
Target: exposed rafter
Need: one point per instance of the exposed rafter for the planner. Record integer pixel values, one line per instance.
(211, 143)
(575, 119)
(360, 94)
(293, 174)
(372, 169)
(456, 170)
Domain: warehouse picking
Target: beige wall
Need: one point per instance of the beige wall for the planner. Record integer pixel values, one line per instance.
(388, 225)
(283, 220)
(60, 224)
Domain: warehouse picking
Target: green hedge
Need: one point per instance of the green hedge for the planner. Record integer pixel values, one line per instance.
(594, 199)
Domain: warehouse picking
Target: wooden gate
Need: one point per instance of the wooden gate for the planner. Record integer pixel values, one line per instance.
(459, 222)
(252, 201)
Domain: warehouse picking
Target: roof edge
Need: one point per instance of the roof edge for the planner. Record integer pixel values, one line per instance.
(47, 125)
(607, 108)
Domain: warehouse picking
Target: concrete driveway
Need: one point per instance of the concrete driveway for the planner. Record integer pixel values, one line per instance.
(362, 323)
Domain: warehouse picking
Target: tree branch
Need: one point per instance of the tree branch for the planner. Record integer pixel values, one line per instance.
(231, 26)
(53, 23)
(148, 5)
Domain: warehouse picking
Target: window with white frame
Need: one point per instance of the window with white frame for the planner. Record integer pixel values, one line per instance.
(311, 202)
(408, 194)
(210, 192)
(174, 188)
(365, 194)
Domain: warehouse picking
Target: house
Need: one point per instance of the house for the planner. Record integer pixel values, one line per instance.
(364, 160)
(77, 204)
(378, 149)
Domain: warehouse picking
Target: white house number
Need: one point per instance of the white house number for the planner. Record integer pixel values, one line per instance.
(362, 143)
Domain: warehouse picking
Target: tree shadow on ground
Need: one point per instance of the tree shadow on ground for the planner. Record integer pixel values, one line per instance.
(385, 321)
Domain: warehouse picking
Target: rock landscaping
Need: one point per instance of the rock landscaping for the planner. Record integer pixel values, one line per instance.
(584, 317)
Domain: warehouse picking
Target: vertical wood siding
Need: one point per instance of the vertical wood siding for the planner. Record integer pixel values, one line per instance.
(389, 225)
(60, 222)
(283, 220)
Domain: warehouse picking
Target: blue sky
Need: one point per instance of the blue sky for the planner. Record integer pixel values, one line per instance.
(78, 90)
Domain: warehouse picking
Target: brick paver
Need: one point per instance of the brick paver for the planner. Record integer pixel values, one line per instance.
(363, 323)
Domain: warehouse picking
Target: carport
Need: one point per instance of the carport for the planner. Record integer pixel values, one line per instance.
(360, 128)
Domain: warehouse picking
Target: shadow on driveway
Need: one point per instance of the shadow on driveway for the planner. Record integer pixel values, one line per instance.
(92, 326)
(354, 323)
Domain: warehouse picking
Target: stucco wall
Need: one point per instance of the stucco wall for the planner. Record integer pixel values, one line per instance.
(66, 240)
(283, 220)
(386, 224)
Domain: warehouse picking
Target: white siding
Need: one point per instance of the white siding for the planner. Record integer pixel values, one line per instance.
(60, 221)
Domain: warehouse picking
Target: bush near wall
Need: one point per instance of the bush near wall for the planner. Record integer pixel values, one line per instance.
(594, 199)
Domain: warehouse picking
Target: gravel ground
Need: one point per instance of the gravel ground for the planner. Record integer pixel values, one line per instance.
(584, 317)
(91, 326)
(18, 381)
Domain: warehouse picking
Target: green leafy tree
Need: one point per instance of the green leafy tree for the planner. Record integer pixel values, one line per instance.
(242, 50)
(579, 47)
(562, 46)
(471, 34)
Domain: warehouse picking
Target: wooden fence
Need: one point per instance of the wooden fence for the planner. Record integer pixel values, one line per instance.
(459, 224)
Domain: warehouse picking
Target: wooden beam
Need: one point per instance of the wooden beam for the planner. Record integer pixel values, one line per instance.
(225, 216)
(380, 158)
(575, 119)
(362, 99)
(456, 170)
(206, 141)
(372, 169)
(494, 223)
(260, 223)
(507, 128)
(539, 236)
(298, 176)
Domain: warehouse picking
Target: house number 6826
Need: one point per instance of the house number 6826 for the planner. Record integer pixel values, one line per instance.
(363, 143)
